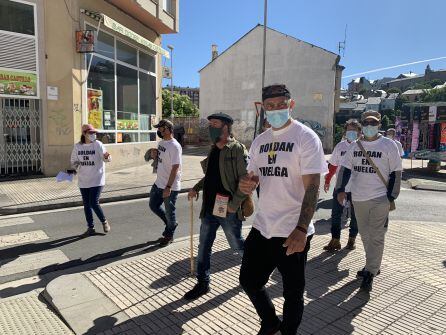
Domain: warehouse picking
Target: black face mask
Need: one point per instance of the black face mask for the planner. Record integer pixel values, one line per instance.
(159, 134)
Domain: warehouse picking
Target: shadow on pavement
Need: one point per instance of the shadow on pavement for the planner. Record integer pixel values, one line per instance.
(101, 324)
(55, 270)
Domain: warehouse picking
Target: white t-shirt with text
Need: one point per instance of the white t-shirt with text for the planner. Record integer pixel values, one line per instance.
(280, 159)
(89, 160)
(336, 157)
(400, 148)
(169, 153)
(365, 182)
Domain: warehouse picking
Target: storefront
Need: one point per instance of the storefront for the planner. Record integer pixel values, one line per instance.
(421, 129)
(20, 93)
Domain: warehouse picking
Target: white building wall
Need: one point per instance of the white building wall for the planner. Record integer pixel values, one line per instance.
(232, 83)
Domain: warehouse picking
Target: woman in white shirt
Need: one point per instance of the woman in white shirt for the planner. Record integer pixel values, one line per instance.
(88, 157)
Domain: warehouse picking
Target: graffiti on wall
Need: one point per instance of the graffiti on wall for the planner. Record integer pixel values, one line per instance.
(316, 127)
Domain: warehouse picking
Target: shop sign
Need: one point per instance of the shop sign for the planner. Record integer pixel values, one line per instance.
(18, 83)
(443, 136)
(95, 107)
(432, 114)
(127, 124)
(85, 41)
(441, 113)
(116, 26)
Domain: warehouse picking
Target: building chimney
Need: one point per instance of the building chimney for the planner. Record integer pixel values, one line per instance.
(214, 51)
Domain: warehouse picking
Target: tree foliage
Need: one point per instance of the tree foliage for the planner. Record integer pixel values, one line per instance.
(385, 122)
(338, 133)
(434, 95)
(182, 105)
(394, 90)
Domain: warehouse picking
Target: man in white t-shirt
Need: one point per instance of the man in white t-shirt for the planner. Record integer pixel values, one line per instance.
(352, 129)
(371, 196)
(286, 161)
(390, 133)
(168, 180)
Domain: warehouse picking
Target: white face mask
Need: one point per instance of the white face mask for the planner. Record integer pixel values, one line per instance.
(92, 137)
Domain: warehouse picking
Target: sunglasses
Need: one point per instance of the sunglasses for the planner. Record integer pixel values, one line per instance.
(370, 123)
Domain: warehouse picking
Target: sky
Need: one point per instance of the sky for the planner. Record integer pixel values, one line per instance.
(380, 33)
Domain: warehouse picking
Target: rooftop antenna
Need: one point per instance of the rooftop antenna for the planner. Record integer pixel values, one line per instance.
(341, 45)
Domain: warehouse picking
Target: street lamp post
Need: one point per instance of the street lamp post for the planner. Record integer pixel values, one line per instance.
(171, 80)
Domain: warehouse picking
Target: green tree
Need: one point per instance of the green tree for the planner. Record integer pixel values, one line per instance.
(394, 90)
(338, 133)
(402, 99)
(182, 105)
(434, 95)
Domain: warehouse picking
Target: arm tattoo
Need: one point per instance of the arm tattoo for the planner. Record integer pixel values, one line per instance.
(309, 204)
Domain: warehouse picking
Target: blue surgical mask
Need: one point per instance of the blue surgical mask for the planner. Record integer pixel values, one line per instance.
(351, 135)
(370, 131)
(92, 137)
(278, 118)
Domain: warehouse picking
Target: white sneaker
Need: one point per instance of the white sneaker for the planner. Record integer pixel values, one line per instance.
(106, 226)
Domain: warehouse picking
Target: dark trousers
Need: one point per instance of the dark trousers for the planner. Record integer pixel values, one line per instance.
(168, 214)
(90, 198)
(336, 217)
(260, 258)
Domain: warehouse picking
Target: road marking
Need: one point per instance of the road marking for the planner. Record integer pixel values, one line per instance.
(15, 221)
(20, 238)
(33, 261)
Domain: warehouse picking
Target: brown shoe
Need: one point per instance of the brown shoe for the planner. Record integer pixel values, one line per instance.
(351, 243)
(106, 226)
(333, 245)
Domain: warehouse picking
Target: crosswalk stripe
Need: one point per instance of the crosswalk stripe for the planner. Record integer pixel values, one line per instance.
(33, 261)
(20, 238)
(15, 221)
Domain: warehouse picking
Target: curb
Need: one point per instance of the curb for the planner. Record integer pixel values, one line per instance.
(422, 185)
(20, 209)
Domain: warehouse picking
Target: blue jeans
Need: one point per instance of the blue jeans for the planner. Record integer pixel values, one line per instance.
(232, 227)
(167, 214)
(336, 215)
(90, 197)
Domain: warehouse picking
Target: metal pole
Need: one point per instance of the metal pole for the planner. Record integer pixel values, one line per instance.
(171, 83)
(265, 20)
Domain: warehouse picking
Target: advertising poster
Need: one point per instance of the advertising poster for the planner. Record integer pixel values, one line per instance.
(85, 41)
(415, 136)
(432, 114)
(95, 107)
(443, 136)
(18, 83)
(127, 124)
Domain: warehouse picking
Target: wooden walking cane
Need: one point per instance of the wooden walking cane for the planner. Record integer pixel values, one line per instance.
(192, 236)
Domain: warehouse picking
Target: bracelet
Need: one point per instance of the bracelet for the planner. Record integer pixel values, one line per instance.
(302, 229)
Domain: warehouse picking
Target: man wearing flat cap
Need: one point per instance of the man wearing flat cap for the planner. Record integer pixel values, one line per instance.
(168, 180)
(222, 200)
(286, 161)
(373, 166)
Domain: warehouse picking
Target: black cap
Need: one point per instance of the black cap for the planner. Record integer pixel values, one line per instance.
(274, 91)
(164, 123)
(221, 116)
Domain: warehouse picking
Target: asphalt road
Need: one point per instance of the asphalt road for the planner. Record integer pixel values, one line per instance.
(135, 228)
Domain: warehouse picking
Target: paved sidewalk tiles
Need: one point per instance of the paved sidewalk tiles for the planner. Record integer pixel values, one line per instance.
(409, 296)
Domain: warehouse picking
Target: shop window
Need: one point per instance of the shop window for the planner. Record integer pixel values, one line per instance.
(105, 45)
(146, 137)
(16, 17)
(127, 96)
(147, 99)
(107, 138)
(126, 53)
(127, 137)
(147, 62)
(101, 93)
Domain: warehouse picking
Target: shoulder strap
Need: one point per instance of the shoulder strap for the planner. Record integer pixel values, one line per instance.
(371, 162)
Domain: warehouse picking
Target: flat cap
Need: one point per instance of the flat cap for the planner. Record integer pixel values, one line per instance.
(274, 91)
(221, 116)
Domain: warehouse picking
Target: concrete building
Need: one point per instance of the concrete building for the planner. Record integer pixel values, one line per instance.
(359, 84)
(51, 82)
(231, 82)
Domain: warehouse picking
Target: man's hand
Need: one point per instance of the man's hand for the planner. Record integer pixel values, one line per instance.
(153, 153)
(106, 155)
(192, 194)
(341, 197)
(248, 183)
(326, 187)
(295, 242)
(166, 192)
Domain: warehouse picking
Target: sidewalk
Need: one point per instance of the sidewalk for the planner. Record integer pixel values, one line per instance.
(143, 295)
(420, 177)
(131, 183)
